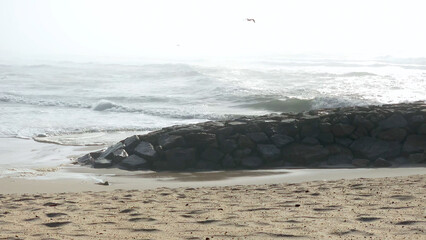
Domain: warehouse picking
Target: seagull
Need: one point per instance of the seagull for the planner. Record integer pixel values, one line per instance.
(251, 19)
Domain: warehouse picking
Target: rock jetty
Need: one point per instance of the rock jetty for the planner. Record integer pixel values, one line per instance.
(367, 136)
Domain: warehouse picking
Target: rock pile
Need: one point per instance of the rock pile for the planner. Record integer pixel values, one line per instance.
(378, 136)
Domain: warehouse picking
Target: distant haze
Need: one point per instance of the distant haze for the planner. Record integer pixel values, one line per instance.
(188, 29)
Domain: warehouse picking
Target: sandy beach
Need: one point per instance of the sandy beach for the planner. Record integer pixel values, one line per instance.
(373, 208)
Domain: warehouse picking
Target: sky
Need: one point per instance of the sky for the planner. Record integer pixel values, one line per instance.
(185, 29)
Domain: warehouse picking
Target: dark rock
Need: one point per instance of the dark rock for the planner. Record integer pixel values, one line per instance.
(360, 162)
(341, 129)
(417, 119)
(336, 149)
(258, 137)
(245, 142)
(225, 131)
(108, 153)
(200, 139)
(359, 132)
(325, 127)
(415, 143)
(239, 153)
(326, 138)
(362, 121)
(280, 140)
(344, 141)
(207, 165)
(130, 143)
(228, 162)
(368, 147)
(310, 130)
(102, 163)
(302, 154)
(251, 162)
(417, 157)
(228, 145)
(212, 154)
(381, 162)
(171, 141)
(145, 150)
(422, 129)
(119, 155)
(180, 158)
(339, 159)
(393, 134)
(86, 159)
(394, 121)
(268, 151)
(134, 162)
(310, 141)
(185, 130)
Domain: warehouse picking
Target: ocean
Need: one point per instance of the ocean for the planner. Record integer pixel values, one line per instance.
(85, 104)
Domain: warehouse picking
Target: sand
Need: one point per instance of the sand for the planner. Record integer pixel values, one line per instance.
(372, 208)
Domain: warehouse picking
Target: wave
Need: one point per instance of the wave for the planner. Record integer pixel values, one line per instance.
(42, 102)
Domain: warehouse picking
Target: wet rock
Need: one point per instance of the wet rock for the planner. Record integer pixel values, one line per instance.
(251, 162)
(341, 129)
(258, 137)
(417, 157)
(171, 141)
(228, 162)
(415, 144)
(360, 162)
(245, 142)
(145, 150)
(422, 129)
(359, 132)
(134, 162)
(108, 153)
(394, 121)
(130, 143)
(371, 148)
(344, 141)
(102, 163)
(310, 141)
(326, 138)
(200, 139)
(339, 159)
(268, 151)
(118, 155)
(363, 122)
(228, 145)
(212, 154)
(239, 153)
(310, 130)
(86, 159)
(180, 158)
(280, 140)
(393, 134)
(207, 165)
(302, 154)
(381, 162)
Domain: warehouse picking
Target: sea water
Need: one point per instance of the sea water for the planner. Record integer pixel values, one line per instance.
(93, 103)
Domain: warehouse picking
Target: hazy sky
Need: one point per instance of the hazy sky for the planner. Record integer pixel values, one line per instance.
(180, 28)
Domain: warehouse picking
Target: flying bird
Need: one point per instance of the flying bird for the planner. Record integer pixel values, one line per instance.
(251, 19)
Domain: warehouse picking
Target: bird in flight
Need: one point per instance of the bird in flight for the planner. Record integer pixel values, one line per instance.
(251, 19)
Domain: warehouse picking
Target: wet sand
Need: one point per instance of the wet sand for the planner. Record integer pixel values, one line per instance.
(372, 208)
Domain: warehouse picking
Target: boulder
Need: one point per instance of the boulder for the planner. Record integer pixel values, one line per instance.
(108, 153)
(207, 165)
(396, 120)
(245, 142)
(371, 148)
(171, 141)
(422, 129)
(302, 154)
(310, 141)
(360, 162)
(145, 150)
(280, 140)
(342, 130)
(180, 158)
(228, 145)
(339, 159)
(86, 159)
(393, 134)
(201, 139)
(134, 162)
(239, 153)
(130, 143)
(414, 144)
(268, 151)
(118, 155)
(251, 162)
(212, 154)
(258, 137)
(417, 157)
(363, 122)
(381, 162)
(326, 138)
(344, 141)
(228, 162)
(102, 163)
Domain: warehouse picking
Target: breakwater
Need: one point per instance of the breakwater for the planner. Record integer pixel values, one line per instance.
(377, 136)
